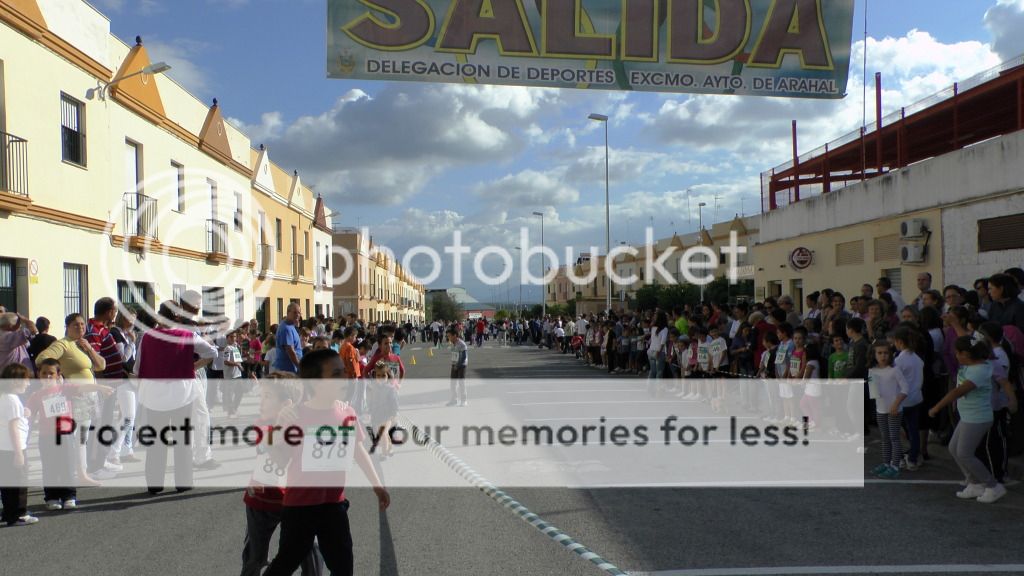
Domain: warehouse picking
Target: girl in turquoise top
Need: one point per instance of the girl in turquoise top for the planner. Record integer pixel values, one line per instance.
(973, 397)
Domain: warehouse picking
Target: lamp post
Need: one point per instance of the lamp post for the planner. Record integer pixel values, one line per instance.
(607, 219)
(102, 87)
(519, 304)
(544, 276)
(700, 236)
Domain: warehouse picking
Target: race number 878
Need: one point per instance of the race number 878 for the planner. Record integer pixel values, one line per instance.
(326, 449)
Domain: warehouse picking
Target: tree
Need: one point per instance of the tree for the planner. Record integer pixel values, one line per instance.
(501, 315)
(647, 297)
(445, 308)
(536, 310)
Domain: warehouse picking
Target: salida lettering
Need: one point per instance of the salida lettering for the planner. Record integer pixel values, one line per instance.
(790, 27)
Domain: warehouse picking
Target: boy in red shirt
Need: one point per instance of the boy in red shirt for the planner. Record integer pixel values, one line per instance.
(51, 404)
(315, 506)
(265, 494)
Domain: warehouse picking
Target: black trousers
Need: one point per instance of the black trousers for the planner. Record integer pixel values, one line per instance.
(993, 451)
(13, 492)
(156, 455)
(328, 525)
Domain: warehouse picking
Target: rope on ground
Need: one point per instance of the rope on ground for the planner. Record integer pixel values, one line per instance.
(467, 473)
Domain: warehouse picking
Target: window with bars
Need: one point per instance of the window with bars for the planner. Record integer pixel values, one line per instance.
(176, 292)
(72, 130)
(131, 293)
(239, 304)
(180, 171)
(213, 301)
(74, 289)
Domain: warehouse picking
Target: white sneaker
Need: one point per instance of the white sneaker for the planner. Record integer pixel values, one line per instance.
(71, 504)
(25, 520)
(971, 492)
(54, 505)
(992, 494)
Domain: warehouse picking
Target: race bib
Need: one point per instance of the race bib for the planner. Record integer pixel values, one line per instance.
(328, 449)
(702, 355)
(267, 472)
(56, 405)
(794, 367)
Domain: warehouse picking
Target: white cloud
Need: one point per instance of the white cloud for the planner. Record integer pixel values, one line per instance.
(528, 187)
(270, 127)
(1005, 21)
(181, 54)
(385, 149)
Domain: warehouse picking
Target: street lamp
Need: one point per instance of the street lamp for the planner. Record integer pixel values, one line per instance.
(544, 276)
(102, 87)
(607, 219)
(519, 304)
(700, 235)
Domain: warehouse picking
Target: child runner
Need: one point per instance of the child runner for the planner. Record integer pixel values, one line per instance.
(232, 387)
(51, 404)
(994, 451)
(973, 398)
(888, 388)
(810, 404)
(13, 444)
(265, 493)
(460, 359)
(912, 367)
(314, 502)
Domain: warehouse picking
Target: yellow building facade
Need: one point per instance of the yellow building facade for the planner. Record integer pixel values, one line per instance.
(371, 283)
(115, 181)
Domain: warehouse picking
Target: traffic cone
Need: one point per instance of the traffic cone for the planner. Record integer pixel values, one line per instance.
(413, 360)
(430, 352)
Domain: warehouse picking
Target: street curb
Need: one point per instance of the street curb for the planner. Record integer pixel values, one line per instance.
(507, 502)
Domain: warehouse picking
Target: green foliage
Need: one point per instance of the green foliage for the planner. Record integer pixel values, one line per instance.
(444, 308)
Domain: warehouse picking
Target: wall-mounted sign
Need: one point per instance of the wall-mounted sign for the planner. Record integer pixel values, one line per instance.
(33, 271)
(793, 48)
(801, 258)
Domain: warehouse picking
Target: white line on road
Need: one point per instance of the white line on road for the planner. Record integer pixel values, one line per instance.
(618, 402)
(890, 569)
(569, 390)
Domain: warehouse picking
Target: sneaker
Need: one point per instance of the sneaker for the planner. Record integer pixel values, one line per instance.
(104, 474)
(53, 505)
(877, 470)
(71, 504)
(24, 521)
(909, 464)
(210, 464)
(992, 494)
(889, 473)
(464, 403)
(972, 492)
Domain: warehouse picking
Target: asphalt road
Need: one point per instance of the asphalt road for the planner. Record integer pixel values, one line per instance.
(913, 525)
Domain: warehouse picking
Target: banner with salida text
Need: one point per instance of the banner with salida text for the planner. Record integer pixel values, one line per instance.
(791, 48)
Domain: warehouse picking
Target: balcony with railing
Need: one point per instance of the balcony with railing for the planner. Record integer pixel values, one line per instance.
(265, 255)
(298, 267)
(216, 241)
(141, 218)
(13, 173)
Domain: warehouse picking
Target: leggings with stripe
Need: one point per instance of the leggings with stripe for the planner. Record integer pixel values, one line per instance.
(892, 446)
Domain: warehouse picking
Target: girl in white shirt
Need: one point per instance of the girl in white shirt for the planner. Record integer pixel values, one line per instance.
(889, 389)
(13, 444)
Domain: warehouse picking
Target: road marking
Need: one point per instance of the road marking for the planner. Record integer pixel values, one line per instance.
(889, 569)
(617, 402)
(568, 391)
(507, 502)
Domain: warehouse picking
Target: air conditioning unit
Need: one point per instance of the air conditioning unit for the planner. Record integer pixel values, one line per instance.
(912, 254)
(914, 228)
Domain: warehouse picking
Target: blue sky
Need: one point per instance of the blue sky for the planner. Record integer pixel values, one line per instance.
(416, 161)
